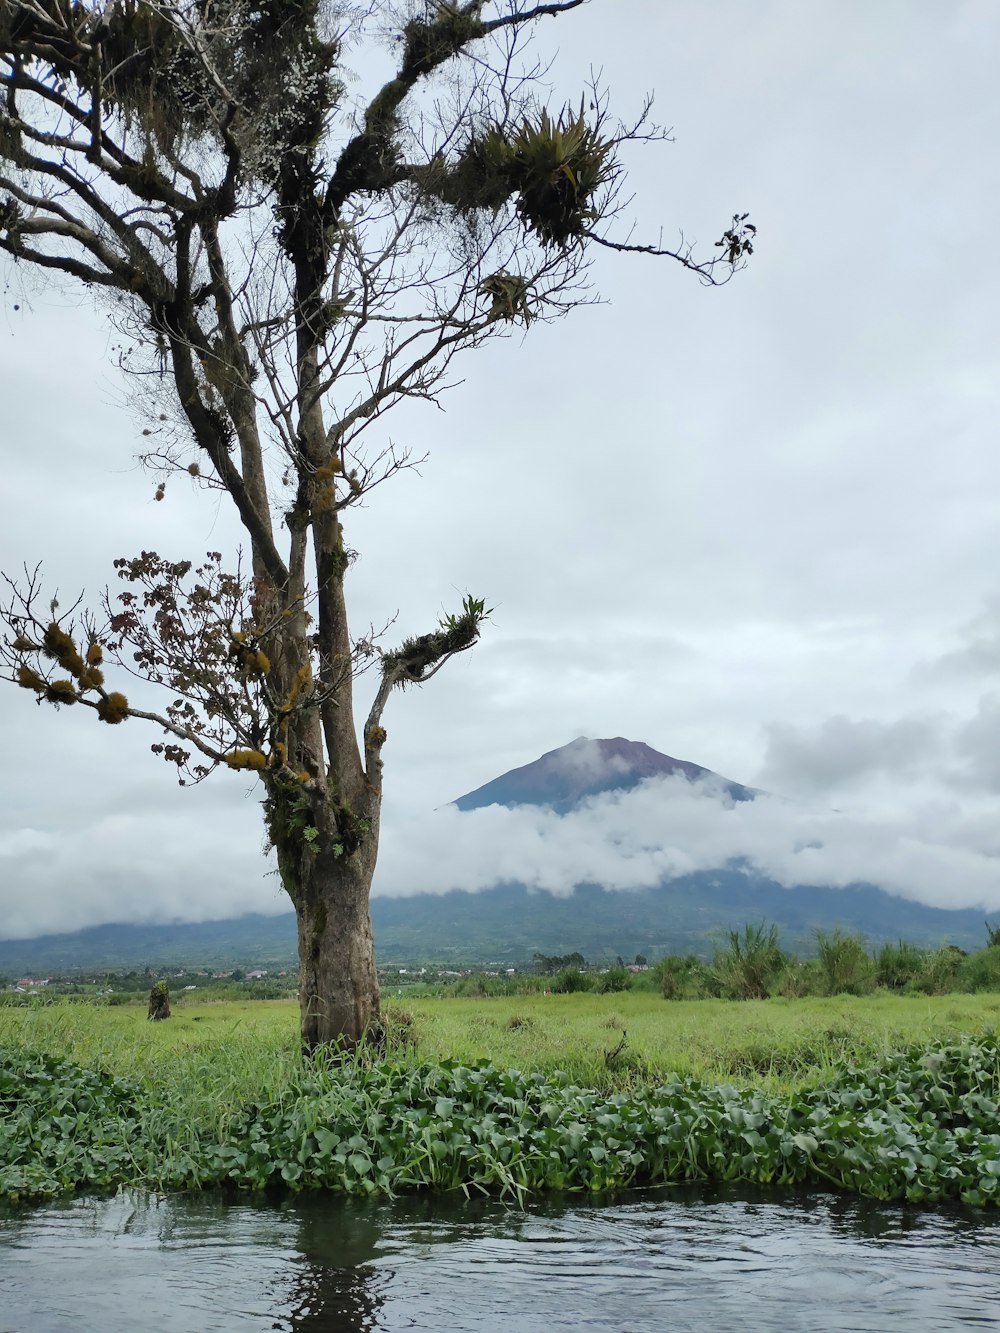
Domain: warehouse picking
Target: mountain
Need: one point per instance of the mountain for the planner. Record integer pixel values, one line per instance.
(509, 922)
(562, 779)
(267, 941)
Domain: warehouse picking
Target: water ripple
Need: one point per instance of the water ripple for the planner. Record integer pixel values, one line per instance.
(668, 1259)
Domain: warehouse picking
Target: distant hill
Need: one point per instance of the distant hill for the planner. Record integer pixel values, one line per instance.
(268, 941)
(509, 923)
(686, 915)
(561, 779)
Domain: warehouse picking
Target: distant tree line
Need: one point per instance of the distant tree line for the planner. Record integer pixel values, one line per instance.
(750, 964)
(133, 987)
(746, 964)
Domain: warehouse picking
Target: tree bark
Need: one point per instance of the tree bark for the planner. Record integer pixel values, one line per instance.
(338, 983)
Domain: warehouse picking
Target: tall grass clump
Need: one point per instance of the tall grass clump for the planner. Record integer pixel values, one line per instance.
(684, 978)
(981, 971)
(844, 963)
(571, 980)
(942, 969)
(747, 966)
(614, 981)
(899, 965)
(482, 985)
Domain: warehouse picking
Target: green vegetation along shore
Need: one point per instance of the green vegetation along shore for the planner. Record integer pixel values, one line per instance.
(887, 1096)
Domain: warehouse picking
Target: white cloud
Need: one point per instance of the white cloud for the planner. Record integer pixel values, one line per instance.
(979, 654)
(841, 751)
(135, 868)
(977, 746)
(936, 851)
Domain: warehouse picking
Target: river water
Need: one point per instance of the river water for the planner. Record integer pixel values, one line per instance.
(661, 1260)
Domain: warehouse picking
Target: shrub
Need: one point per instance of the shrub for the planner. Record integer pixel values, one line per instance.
(614, 979)
(796, 980)
(686, 978)
(844, 963)
(898, 965)
(747, 967)
(668, 972)
(941, 970)
(571, 979)
(981, 971)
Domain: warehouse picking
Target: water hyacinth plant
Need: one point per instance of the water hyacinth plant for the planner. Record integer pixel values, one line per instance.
(920, 1125)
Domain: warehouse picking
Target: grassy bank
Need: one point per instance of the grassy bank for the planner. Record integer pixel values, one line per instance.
(522, 1093)
(223, 1052)
(775, 1044)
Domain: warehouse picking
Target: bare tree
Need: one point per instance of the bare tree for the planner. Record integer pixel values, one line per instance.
(289, 261)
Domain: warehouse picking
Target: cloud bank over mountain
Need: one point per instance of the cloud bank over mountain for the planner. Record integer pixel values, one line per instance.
(920, 823)
(939, 851)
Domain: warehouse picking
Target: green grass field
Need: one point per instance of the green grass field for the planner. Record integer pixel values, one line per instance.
(215, 1055)
(775, 1043)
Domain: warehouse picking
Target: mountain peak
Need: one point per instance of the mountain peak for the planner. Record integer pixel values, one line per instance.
(561, 779)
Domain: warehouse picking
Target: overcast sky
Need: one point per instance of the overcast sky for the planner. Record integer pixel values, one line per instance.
(757, 528)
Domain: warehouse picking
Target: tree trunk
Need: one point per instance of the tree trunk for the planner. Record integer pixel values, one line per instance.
(338, 984)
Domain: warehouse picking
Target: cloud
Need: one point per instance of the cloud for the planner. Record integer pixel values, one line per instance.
(979, 654)
(934, 850)
(192, 856)
(583, 762)
(131, 868)
(885, 761)
(977, 747)
(840, 751)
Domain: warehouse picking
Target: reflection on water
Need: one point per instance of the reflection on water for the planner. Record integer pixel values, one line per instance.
(661, 1259)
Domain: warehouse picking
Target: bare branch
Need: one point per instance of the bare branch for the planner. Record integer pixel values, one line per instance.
(526, 16)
